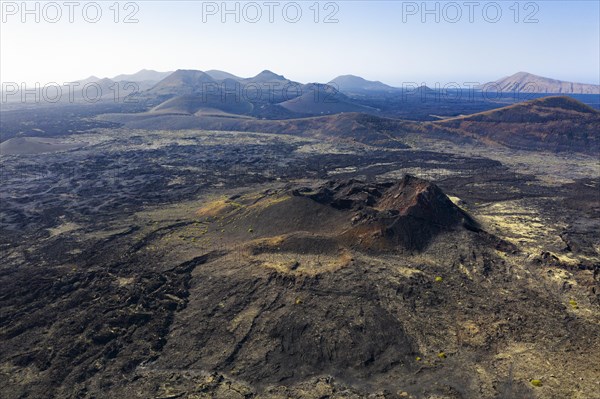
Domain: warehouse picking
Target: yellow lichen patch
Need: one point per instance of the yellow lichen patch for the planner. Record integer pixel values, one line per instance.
(465, 271)
(297, 264)
(212, 208)
(471, 327)
(242, 322)
(407, 271)
(124, 281)
(567, 260)
(267, 243)
(471, 334)
(271, 253)
(573, 304)
(455, 200)
(559, 276)
(63, 228)
(520, 224)
(218, 207)
(267, 202)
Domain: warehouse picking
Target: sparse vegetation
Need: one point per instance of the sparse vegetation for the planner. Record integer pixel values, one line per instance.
(225, 252)
(536, 383)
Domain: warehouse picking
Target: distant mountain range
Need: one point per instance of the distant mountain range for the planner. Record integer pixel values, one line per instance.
(271, 95)
(220, 100)
(519, 82)
(268, 88)
(348, 84)
(265, 95)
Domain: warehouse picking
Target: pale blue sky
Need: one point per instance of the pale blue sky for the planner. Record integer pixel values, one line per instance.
(371, 39)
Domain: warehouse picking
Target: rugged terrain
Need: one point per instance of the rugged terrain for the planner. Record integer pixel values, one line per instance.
(555, 124)
(550, 123)
(165, 264)
(164, 248)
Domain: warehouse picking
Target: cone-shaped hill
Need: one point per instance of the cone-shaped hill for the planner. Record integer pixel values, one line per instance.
(351, 215)
(401, 215)
(326, 280)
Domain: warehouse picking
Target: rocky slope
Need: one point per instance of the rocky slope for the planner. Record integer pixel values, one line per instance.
(548, 124)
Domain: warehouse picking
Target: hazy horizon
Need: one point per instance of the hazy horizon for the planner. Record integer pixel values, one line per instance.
(314, 81)
(384, 41)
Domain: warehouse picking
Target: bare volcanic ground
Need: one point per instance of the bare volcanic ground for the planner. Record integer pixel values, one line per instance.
(550, 124)
(35, 145)
(545, 124)
(342, 289)
(349, 127)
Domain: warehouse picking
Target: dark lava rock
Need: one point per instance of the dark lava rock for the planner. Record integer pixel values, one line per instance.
(405, 214)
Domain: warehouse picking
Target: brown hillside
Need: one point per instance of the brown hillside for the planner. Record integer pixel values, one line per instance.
(551, 124)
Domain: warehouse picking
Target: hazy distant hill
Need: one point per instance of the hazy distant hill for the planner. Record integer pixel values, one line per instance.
(221, 75)
(529, 83)
(418, 91)
(352, 83)
(182, 82)
(127, 84)
(264, 88)
(319, 99)
(145, 75)
(267, 76)
(550, 123)
(92, 89)
(205, 103)
(269, 87)
(90, 79)
(264, 95)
